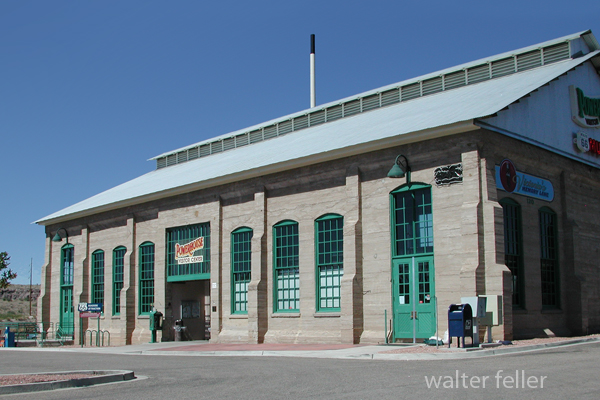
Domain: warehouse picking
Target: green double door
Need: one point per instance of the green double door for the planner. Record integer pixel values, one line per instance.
(67, 315)
(413, 297)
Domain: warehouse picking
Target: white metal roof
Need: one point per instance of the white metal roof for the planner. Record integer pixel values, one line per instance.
(590, 39)
(442, 113)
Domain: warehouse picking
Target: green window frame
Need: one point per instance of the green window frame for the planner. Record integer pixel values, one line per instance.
(241, 266)
(188, 267)
(118, 275)
(286, 269)
(98, 277)
(549, 259)
(412, 220)
(146, 278)
(67, 271)
(66, 265)
(329, 252)
(513, 249)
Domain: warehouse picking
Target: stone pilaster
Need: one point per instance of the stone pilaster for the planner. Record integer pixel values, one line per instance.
(351, 285)
(258, 313)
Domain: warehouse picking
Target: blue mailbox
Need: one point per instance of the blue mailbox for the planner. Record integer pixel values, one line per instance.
(460, 322)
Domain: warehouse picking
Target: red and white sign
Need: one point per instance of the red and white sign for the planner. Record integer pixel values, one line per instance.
(89, 315)
(184, 254)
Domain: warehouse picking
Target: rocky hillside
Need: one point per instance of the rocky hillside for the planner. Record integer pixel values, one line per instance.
(19, 292)
(14, 303)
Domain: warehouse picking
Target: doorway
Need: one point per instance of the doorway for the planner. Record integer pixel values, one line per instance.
(413, 286)
(190, 304)
(414, 298)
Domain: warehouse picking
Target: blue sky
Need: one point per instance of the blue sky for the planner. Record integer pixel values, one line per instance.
(90, 90)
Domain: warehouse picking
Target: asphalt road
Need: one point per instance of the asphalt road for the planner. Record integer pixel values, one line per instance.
(559, 373)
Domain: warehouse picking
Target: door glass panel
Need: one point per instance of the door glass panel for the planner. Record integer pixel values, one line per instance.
(404, 284)
(424, 283)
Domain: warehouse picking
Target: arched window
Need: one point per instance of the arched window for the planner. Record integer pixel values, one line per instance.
(118, 274)
(146, 278)
(241, 255)
(286, 269)
(98, 277)
(549, 258)
(412, 220)
(329, 254)
(66, 265)
(513, 248)
(67, 312)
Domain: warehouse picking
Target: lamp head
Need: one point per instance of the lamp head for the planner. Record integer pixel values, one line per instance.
(57, 237)
(399, 169)
(396, 172)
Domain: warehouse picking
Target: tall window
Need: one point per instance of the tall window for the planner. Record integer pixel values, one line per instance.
(98, 277)
(330, 261)
(549, 259)
(513, 248)
(146, 287)
(118, 269)
(413, 220)
(67, 266)
(188, 253)
(286, 274)
(241, 252)
(67, 322)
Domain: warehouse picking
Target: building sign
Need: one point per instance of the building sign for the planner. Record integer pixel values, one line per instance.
(184, 254)
(586, 144)
(89, 310)
(585, 111)
(448, 174)
(188, 253)
(512, 181)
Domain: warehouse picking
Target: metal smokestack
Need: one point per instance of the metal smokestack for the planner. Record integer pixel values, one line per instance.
(313, 95)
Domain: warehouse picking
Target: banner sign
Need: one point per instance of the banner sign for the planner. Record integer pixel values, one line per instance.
(512, 181)
(89, 310)
(585, 111)
(184, 254)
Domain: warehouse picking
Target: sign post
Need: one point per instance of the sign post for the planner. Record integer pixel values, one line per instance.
(89, 310)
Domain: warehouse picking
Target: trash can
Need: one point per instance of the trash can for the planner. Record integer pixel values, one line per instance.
(179, 328)
(9, 338)
(460, 322)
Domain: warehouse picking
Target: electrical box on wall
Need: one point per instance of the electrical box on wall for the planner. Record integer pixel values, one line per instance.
(477, 304)
(493, 308)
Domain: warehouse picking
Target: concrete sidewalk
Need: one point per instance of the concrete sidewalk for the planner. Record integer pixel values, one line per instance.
(338, 351)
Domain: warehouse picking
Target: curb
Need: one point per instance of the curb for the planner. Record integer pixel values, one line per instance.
(472, 353)
(479, 353)
(102, 377)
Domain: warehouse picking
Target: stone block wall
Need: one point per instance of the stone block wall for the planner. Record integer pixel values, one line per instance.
(468, 245)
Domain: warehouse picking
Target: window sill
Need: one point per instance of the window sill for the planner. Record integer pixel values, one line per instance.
(143, 316)
(519, 311)
(238, 316)
(327, 314)
(552, 311)
(115, 317)
(286, 315)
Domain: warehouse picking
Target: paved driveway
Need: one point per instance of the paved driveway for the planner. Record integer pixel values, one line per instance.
(564, 372)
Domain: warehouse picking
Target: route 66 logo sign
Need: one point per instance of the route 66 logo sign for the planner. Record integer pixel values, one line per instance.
(82, 307)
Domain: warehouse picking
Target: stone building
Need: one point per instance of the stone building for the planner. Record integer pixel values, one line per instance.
(291, 231)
